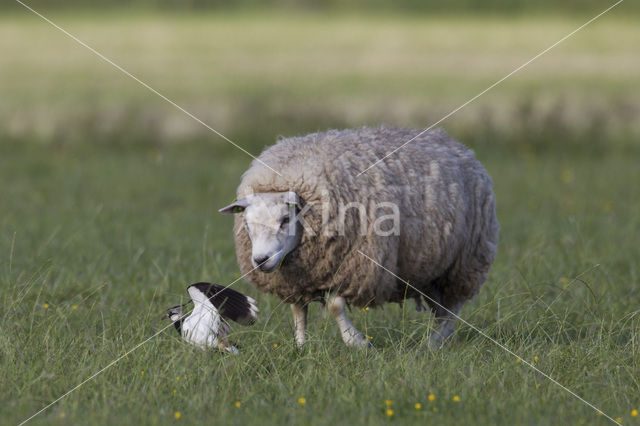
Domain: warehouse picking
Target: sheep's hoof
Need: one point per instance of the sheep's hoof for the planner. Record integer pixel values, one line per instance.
(357, 341)
(437, 341)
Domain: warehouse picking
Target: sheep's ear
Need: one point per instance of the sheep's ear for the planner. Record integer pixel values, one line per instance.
(237, 207)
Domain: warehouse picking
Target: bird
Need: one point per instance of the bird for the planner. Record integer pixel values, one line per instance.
(213, 305)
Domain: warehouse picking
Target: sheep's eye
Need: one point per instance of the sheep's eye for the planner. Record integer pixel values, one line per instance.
(285, 220)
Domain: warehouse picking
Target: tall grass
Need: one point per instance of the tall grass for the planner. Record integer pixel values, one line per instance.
(97, 244)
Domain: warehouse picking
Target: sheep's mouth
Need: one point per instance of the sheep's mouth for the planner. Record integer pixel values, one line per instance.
(271, 263)
(268, 267)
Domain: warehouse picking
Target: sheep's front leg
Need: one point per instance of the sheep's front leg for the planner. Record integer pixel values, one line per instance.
(300, 322)
(445, 319)
(350, 335)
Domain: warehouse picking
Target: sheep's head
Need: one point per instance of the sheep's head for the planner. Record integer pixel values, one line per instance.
(271, 220)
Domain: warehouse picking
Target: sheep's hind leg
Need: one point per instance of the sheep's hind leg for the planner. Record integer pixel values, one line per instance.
(350, 335)
(300, 322)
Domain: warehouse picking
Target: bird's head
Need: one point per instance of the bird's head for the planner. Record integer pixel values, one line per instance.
(175, 313)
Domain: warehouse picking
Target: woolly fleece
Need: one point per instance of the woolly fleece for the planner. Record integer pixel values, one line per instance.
(448, 226)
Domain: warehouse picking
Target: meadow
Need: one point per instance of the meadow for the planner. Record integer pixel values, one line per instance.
(110, 198)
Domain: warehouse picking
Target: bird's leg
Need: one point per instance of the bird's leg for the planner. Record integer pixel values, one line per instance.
(350, 335)
(300, 322)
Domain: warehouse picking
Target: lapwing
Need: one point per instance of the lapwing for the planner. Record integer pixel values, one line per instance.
(213, 306)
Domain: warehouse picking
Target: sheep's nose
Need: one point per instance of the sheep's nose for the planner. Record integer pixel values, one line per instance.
(259, 260)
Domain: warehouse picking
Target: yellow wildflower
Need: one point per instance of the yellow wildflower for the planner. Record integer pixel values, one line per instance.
(390, 412)
(46, 305)
(142, 372)
(432, 397)
(456, 398)
(634, 413)
(518, 360)
(535, 358)
(238, 404)
(74, 307)
(275, 345)
(368, 337)
(177, 415)
(388, 402)
(417, 406)
(619, 420)
(177, 377)
(302, 401)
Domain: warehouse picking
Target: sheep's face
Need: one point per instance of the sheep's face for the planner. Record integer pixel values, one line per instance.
(271, 221)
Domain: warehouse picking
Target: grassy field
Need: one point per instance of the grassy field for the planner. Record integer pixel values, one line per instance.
(106, 219)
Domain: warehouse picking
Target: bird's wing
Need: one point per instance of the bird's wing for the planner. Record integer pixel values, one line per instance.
(231, 304)
(201, 301)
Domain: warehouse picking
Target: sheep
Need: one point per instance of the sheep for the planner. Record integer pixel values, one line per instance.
(298, 235)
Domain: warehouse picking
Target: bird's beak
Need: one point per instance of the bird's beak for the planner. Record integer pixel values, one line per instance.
(165, 316)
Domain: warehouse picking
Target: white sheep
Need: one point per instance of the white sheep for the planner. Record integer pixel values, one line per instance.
(426, 213)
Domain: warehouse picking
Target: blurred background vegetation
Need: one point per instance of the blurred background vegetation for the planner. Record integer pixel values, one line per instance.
(257, 70)
(421, 6)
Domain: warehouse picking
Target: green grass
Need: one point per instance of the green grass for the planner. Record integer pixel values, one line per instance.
(121, 234)
(106, 220)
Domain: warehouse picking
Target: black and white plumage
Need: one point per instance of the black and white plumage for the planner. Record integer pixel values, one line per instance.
(213, 306)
